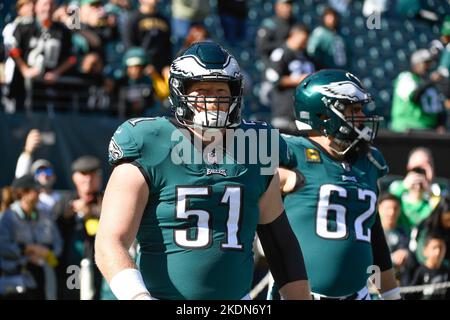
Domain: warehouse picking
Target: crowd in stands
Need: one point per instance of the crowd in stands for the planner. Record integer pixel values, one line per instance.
(113, 57)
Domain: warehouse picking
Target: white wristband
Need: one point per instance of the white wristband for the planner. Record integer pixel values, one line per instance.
(129, 285)
(393, 294)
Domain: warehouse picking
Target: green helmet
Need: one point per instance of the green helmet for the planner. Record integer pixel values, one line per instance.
(205, 61)
(320, 101)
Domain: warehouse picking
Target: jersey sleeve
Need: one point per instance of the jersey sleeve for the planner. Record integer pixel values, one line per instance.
(123, 145)
(287, 157)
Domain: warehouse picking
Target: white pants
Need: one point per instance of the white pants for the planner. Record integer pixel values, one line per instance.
(362, 294)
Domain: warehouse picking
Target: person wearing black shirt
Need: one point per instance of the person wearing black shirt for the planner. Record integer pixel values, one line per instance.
(288, 65)
(150, 30)
(434, 270)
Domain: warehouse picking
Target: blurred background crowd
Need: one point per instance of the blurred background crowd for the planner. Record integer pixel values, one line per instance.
(71, 71)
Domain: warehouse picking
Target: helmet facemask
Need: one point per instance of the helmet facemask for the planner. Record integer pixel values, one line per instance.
(206, 62)
(353, 133)
(200, 111)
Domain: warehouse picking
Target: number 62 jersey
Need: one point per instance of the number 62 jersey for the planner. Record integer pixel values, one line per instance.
(332, 215)
(196, 234)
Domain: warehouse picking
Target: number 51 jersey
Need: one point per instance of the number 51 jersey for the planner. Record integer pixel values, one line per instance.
(332, 215)
(198, 227)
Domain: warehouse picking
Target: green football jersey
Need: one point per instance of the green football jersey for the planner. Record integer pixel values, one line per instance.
(198, 227)
(332, 216)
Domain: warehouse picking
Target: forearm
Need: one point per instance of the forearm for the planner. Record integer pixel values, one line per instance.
(66, 65)
(285, 258)
(121, 273)
(23, 164)
(388, 281)
(21, 64)
(111, 257)
(297, 290)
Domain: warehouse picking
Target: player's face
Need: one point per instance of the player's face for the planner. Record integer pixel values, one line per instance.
(355, 111)
(211, 95)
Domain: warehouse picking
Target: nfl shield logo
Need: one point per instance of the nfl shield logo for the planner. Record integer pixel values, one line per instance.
(346, 166)
(212, 157)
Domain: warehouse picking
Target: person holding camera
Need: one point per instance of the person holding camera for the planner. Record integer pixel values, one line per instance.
(418, 194)
(78, 213)
(42, 169)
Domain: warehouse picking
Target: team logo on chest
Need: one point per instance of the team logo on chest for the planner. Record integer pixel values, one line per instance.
(222, 172)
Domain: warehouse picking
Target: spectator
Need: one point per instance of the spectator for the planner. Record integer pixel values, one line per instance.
(97, 29)
(415, 189)
(440, 50)
(44, 48)
(197, 33)
(42, 170)
(78, 214)
(233, 16)
(13, 86)
(272, 33)
(186, 14)
(326, 46)
(136, 92)
(389, 208)
(288, 66)
(433, 270)
(274, 30)
(121, 9)
(150, 30)
(29, 246)
(416, 103)
(6, 198)
(438, 222)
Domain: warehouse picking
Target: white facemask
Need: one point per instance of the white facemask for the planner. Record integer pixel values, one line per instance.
(215, 119)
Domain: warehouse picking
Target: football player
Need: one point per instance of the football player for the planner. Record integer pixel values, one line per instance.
(195, 221)
(331, 188)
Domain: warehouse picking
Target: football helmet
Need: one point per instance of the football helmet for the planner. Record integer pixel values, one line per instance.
(205, 61)
(320, 103)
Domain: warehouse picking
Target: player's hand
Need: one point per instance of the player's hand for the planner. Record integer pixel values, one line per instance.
(399, 257)
(33, 141)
